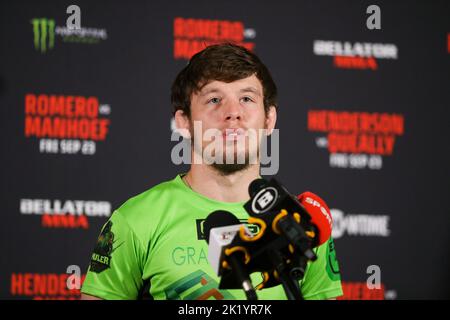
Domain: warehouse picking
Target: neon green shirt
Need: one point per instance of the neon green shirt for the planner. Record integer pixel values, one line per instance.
(153, 246)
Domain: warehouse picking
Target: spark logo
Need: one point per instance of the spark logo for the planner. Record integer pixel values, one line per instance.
(69, 214)
(359, 225)
(193, 35)
(356, 140)
(47, 286)
(66, 124)
(356, 55)
(45, 31)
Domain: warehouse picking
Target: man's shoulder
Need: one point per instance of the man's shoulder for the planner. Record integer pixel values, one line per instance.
(149, 205)
(150, 196)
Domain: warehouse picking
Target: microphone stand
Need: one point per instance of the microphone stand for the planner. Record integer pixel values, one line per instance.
(244, 279)
(288, 277)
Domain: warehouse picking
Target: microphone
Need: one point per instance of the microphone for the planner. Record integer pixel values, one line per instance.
(220, 228)
(287, 215)
(320, 215)
(216, 219)
(304, 222)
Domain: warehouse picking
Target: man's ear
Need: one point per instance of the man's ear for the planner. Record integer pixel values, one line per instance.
(182, 124)
(271, 119)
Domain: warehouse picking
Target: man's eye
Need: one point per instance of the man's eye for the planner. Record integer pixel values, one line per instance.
(247, 99)
(214, 100)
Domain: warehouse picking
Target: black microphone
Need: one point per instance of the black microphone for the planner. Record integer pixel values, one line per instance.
(235, 259)
(255, 186)
(268, 198)
(217, 219)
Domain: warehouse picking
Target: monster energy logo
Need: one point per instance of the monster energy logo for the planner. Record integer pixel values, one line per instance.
(44, 34)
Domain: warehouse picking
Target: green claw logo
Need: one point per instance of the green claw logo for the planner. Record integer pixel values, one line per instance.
(44, 34)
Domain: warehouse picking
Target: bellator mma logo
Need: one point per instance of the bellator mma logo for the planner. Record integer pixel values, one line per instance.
(66, 124)
(65, 214)
(356, 140)
(358, 55)
(193, 35)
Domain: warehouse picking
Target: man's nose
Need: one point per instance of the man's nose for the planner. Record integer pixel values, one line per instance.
(233, 111)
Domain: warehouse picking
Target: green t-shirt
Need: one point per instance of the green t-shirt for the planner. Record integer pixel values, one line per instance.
(153, 246)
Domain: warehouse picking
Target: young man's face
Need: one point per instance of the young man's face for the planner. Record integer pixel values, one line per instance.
(231, 116)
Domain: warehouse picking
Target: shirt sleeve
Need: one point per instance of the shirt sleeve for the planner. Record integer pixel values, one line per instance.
(322, 278)
(115, 269)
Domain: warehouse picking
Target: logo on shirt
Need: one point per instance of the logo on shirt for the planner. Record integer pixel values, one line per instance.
(332, 263)
(101, 257)
(196, 286)
(253, 228)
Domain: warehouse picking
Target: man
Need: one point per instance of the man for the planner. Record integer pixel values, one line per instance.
(158, 249)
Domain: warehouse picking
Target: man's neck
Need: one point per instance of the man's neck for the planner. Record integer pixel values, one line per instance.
(210, 183)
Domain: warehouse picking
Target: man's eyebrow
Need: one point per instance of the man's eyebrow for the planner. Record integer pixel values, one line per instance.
(209, 90)
(251, 89)
(213, 90)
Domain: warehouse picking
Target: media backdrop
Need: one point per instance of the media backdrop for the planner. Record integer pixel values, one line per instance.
(363, 119)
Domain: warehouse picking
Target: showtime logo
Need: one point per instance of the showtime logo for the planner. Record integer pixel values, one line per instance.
(48, 286)
(193, 35)
(69, 214)
(356, 140)
(358, 55)
(359, 225)
(66, 124)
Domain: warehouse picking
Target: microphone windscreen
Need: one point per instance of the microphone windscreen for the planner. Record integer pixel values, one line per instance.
(255, 186)
(320, 214)
(216, 219)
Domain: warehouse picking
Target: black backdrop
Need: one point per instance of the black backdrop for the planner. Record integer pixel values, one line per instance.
(389, 204)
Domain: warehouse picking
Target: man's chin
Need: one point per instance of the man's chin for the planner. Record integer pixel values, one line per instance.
(239, 163)
(228, 169)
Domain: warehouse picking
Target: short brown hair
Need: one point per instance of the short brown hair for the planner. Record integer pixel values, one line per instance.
(225, 62)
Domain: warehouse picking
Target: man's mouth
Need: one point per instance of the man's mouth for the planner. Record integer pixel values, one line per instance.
(232, 134)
